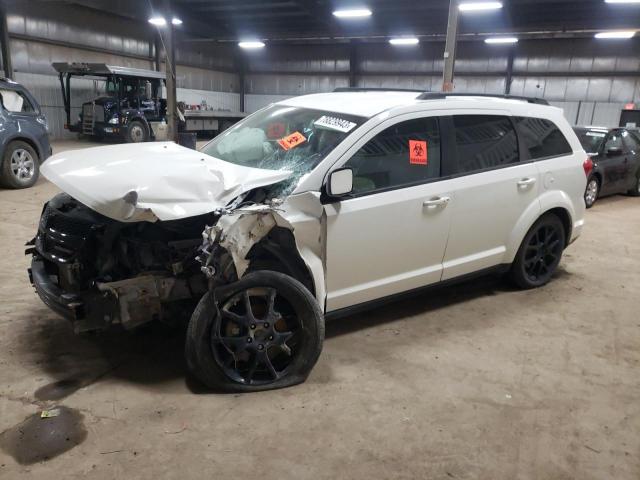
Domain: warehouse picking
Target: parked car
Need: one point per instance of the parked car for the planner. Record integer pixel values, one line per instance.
(24, 137)
(616, 161)
(313, 207)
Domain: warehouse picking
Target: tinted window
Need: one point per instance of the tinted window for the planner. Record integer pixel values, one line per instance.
(485, 141)
(630, 141)
(614, 142)
(542, 138)
(591, 140)
(407, 153)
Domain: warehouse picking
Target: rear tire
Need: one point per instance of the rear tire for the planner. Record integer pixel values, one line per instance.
(20, 166)
(591, 192)
(635, 192)
(274, 343)
(540, 253)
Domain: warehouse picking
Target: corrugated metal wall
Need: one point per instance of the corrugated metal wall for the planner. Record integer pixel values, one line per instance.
(64, 33)
(590, 79)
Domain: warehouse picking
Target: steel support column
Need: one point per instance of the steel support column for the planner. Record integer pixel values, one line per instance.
(353, 63)
(157, 51)
(5, 45)
(450, 47)
(170, 62)
(242, 78)
(509, 77)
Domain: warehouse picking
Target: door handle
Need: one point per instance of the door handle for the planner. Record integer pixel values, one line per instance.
(436, 202)
(526, 182)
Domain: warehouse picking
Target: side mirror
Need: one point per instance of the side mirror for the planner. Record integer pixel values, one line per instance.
(340, 182)
(614, 151)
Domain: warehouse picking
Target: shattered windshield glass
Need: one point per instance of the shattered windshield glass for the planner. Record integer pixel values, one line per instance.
(283, 138)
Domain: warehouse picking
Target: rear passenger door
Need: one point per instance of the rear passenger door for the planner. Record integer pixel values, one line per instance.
(492, 190)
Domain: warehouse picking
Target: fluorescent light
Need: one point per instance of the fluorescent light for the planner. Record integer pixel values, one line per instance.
(501, 40)
(251, 44)
(622, 1)
(176, 21)
(359, 12)
(479, 6)
(616, 34)
(158, 21)
(404, 41)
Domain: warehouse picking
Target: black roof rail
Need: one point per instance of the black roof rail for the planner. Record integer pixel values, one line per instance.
(441, 96)
(376, 89)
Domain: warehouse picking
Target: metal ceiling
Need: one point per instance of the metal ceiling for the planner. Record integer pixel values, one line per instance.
(308, 20)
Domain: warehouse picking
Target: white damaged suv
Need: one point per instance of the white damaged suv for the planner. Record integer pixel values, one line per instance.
(312, 207)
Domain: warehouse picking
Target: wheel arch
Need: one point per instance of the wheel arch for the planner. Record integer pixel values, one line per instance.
(278, 250)
(29, 141)
(557, 203)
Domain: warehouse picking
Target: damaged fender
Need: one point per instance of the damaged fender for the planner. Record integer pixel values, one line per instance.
(239, 230)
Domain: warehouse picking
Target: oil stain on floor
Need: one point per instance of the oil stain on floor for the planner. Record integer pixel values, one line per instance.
(38, 439)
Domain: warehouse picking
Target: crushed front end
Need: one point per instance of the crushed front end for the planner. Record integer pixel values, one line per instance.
(98, 272)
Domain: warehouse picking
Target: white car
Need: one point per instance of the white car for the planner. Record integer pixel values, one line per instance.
(313, 207)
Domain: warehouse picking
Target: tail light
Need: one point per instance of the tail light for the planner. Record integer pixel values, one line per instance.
(588, 166)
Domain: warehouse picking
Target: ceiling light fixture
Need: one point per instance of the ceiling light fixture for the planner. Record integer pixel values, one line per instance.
(404, 41)
(355, 13)
(616, 34)
(251, 44)
(158, 21)
(622, 1)
(176, 21)
(501, 40)
(479, 6)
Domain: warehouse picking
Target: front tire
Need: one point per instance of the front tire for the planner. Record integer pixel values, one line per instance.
(540, 253)
(262, 332)
(591, 192)
(635, 192)
(137, 132)
(20, 166)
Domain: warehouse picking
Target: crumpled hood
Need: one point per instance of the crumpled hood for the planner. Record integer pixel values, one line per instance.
(151, 181)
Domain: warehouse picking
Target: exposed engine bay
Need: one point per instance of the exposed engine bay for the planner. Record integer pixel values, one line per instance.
(89, 264)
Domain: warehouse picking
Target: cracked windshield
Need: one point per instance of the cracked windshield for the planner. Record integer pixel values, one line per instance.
(284, 138)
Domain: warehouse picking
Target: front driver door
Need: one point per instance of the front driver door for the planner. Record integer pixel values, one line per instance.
(390, 237)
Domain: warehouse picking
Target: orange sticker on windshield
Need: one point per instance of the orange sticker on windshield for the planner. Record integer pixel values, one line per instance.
(292, 141)
(418, 152)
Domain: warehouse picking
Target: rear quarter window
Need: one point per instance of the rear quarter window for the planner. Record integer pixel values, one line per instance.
(542, 138)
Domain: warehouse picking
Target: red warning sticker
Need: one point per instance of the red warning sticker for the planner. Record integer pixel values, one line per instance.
(418, 152)
(292, 141)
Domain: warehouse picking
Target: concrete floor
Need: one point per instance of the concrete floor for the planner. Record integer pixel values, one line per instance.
(479, 381)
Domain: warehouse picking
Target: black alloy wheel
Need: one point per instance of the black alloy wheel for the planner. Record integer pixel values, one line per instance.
(254, 342)
(262, 332)
(540, 253)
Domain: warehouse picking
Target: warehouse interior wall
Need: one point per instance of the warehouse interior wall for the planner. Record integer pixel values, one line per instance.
(591, 80)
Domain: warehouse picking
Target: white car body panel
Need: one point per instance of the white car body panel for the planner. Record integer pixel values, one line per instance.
(152, 181)
(358, 249)
(485, 208)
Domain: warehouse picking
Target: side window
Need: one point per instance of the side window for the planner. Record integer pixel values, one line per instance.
(630, 142)
(14, 101)
(542, 138)
(614, 142)
(404, 154)
(485, 141)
